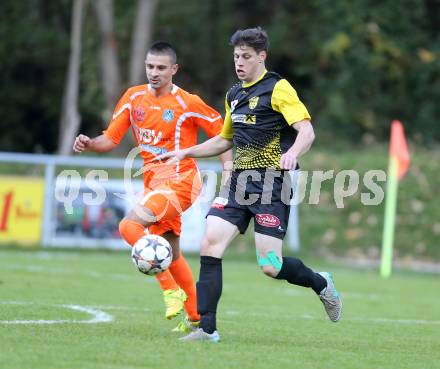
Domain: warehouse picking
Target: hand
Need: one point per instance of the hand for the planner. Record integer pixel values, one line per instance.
(172, 156)
(81, 143)
(288, 161)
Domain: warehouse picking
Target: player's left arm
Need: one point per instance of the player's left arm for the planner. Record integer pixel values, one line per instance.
(302, 144)
(286, 101)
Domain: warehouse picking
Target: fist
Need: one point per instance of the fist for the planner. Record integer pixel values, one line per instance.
(288, 161)
(81, 143)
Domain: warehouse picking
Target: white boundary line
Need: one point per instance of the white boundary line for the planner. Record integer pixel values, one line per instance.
(65, 271)
(98, 316)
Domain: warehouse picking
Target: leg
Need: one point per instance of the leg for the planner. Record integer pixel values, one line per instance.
(133, 225)
(288, 268)
(271, 219)
(183, 276)
(269, 255)
(225, 220)
(295, 272)
(131, 228)
(219, 234)
(167, 202)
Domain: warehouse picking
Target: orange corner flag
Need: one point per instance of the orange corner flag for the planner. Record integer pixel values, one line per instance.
(399, 148)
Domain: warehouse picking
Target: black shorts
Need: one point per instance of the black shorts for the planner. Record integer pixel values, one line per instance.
(262, 194)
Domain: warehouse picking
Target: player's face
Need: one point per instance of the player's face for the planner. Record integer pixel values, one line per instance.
(248, 63)
(160, 70)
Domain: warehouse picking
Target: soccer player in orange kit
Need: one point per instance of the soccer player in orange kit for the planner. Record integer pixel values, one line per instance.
(163, 117)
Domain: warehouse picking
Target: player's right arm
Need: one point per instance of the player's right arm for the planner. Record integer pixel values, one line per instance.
(212, 147)
(111, 137)
(98, 144)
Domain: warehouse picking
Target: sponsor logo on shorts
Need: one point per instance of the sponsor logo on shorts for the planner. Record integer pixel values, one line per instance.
(219, 203)
(267, 220)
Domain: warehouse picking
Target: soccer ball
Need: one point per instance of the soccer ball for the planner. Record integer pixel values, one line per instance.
(152, 254)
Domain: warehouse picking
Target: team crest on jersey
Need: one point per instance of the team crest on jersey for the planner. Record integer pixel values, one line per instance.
(168, 115)
(139, 113)
(253, 102)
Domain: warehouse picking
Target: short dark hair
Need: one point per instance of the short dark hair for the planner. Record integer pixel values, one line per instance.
(163, 47)
(253, 37)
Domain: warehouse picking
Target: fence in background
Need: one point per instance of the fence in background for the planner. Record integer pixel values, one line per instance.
(26, 206)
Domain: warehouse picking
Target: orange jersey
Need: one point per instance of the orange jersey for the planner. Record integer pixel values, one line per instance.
(162, 124)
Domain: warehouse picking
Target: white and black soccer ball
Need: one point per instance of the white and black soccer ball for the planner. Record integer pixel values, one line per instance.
(152, 254)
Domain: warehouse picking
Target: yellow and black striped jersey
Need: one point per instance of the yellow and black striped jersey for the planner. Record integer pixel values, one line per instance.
(258, 119)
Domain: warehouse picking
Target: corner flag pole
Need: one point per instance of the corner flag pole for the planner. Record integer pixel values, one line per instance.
(398, 166)
(389, 221)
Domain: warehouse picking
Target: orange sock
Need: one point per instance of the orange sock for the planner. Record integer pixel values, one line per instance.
(167, 281)
(182, 274)
(131, 231)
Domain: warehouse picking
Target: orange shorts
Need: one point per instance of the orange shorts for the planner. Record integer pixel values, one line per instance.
(169, 199)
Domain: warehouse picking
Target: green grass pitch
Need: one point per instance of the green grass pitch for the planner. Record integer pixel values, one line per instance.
(104, 314)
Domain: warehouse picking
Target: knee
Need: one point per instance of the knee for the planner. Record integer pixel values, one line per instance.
(206, 244)
(124, 229)
(211, 246)
(130, 230)
(270, 264)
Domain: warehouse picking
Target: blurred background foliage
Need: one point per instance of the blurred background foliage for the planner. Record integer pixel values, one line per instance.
(356, 64)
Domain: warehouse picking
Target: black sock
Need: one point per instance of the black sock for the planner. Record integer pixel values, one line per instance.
(209, 290)
(294, 271)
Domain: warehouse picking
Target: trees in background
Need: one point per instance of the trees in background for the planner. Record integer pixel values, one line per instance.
(108, 51)
(108, 62)
(141, 38)
(34, 51)
(70, 117)
(357, 65)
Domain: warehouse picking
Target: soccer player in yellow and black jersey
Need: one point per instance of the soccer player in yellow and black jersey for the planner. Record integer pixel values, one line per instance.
(270, 129)
(259, 120)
